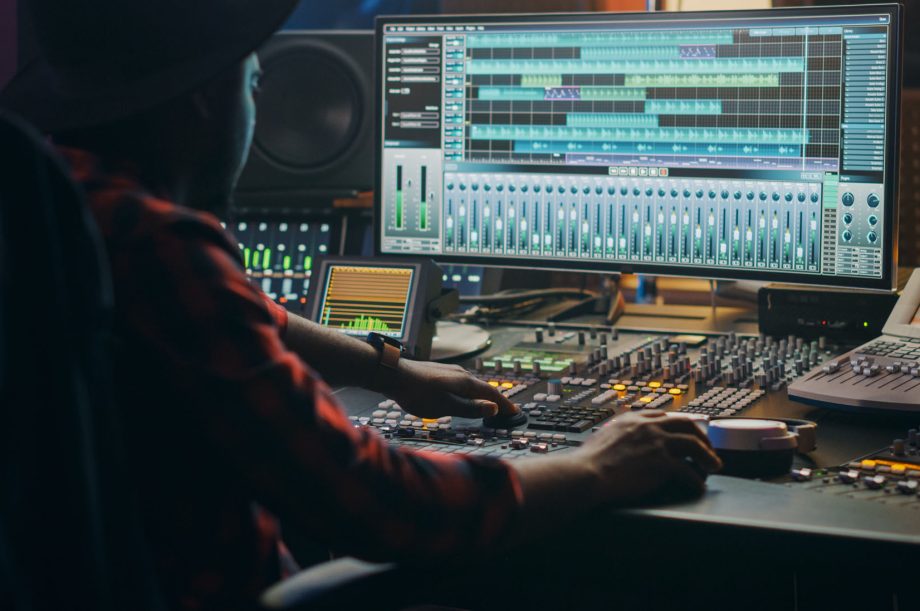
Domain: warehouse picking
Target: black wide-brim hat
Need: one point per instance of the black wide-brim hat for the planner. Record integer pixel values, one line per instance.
(105, 60)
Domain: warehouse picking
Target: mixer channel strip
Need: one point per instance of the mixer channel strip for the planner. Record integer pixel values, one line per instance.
(890, 475)
(883, 374)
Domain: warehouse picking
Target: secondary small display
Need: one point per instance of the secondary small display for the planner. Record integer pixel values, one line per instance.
(358, 300)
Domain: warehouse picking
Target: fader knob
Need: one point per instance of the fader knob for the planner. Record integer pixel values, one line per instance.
(517, 368)
(897, 447)
(552, 329)
(477, 364)
(573, 368)
(581, 338)
(536, 368)
(499, 366)
(538, 335)
(603, 339)
(554, 387)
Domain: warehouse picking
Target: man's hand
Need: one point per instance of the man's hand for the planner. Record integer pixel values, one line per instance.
(625, 463)
(638, 455)
(433, 390)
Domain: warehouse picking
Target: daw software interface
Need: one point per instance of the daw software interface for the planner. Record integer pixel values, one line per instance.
(758, 144)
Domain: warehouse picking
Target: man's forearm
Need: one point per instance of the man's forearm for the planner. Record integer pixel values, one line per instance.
(340, 359)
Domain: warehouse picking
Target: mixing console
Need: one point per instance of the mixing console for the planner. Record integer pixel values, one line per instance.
(571, 381)
(890, 475)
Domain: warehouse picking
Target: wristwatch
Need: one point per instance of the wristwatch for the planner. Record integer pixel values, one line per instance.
(389, 352)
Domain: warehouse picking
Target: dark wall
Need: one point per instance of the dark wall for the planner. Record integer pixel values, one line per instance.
(8, 40)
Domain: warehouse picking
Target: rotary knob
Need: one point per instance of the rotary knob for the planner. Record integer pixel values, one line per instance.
(847, 235)
(847, 218)
(873, 220)
(848, 199)
(872, 237)
(873, 200)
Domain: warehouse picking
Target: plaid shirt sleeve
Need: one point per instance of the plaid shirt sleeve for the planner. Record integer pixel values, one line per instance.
(277, 424)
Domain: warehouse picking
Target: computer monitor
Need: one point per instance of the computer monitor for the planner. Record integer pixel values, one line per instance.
(732, 144)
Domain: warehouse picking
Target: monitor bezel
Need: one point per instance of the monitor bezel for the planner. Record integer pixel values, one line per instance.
(892, 129)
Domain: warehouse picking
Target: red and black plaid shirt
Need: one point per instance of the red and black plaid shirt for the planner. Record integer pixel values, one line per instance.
(221, 416)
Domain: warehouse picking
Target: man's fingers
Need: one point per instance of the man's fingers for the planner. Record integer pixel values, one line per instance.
(472, 388)
(470, 408)
(691, 446)
(686, 477)
(687, 426)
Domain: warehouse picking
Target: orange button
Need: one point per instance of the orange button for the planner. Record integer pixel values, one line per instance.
(654, 384)
(674, 391)
(619, 387)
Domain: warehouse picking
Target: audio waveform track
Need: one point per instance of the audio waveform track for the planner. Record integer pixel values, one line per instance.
(358, 300)
(764, 98)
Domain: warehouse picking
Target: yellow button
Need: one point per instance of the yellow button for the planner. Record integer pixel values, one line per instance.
(647, 399)
(868, 464)
(493, 383)
(507, 385)
(675, 391)
(619, 387)
(430, 420)
(654, 384)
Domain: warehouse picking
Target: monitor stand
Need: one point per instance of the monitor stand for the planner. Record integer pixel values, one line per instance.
(453, 341)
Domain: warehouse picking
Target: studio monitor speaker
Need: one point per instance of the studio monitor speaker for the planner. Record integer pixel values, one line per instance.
(315, 126)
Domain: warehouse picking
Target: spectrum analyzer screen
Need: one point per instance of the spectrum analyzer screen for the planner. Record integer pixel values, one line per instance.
(699, 144)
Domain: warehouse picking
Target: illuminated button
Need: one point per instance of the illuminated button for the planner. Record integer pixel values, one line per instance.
(868, 465)
(648, 399)
(675, 391)
(873, 200)
(654, 384)
(847, 218)
(872, 237)
(848, 199)
(847, 235)
(507, 385)
(873, 220)
(494, 383)
(619, 387)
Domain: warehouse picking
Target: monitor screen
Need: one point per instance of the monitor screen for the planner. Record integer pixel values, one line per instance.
(731, 144)
(359, 299)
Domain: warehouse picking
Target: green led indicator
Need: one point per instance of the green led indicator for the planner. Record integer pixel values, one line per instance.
(866, 324)
(287, 262)
(308, 263)
(267, 258)
(247, 257)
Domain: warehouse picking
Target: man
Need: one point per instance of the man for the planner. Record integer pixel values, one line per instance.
(152, 104)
